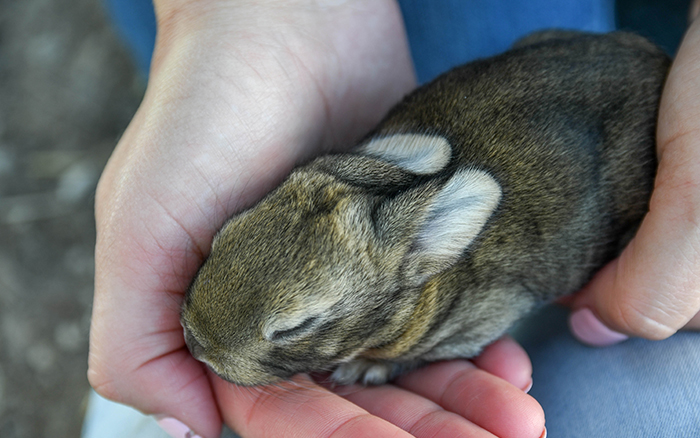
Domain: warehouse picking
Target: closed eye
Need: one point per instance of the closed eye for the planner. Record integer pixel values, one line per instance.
(294, 332)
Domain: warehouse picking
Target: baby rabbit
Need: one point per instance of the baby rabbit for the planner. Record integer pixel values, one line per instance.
(503, 184)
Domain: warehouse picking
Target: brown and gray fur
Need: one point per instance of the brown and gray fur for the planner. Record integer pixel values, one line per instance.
(503, 184)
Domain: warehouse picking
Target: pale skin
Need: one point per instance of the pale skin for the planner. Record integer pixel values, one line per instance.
(238, 93)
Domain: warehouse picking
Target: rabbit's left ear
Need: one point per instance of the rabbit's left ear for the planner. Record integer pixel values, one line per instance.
(455, 216)
(421, 154)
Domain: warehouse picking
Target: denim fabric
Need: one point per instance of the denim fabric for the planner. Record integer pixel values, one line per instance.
(637, 388)
(135, 21)
(446, 33)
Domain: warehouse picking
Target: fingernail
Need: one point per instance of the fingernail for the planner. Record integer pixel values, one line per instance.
(528, 387)
(175, 428)
(544, 433)
(588, 329)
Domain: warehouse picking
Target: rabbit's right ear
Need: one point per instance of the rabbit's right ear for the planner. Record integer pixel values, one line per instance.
(447, 220)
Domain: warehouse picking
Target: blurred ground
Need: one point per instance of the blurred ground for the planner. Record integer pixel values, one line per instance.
(67, 90)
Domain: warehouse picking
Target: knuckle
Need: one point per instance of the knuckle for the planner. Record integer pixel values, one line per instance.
(104, 381)
(103, 385)
(646, 320)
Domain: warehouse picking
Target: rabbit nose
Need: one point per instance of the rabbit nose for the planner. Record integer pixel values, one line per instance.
(193, 345)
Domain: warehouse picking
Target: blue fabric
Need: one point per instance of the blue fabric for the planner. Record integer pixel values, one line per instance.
(446, 33)
(638, 388)
(135, 21)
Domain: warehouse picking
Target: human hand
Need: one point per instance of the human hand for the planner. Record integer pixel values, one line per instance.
(450, 399)
(239, 92)
(653, 288)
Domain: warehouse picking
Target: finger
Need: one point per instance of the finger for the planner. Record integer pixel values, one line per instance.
(415, 414)
(506, 359)
(137, 351)
(649, 291)
(298, 408)
(482, 398)
(155, 374)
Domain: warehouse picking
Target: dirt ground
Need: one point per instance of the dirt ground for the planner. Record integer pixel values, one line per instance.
(67, 90)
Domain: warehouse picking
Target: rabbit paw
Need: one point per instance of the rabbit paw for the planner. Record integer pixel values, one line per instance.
(363, 371)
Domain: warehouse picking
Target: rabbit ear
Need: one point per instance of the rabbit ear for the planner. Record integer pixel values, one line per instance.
(417, 153)
(453, 219)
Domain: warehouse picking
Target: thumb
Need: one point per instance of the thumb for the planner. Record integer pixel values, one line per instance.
(653, 288)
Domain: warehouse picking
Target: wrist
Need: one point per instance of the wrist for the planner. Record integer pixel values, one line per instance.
(339, 65)
(236, 97)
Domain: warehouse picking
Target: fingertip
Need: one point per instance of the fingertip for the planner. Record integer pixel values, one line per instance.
(184, 397)
(175, 428)
(588, 329)
(537, 419)
(527, 421)
(471, 392)
(506, 359)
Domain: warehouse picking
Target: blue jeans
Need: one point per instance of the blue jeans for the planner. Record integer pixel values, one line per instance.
(638, 388)
(446, 33)
(635, 389)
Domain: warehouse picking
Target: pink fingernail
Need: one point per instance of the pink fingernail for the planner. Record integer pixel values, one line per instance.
(175, 428)
(544, 433)
(528, 387)
(588, 329)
